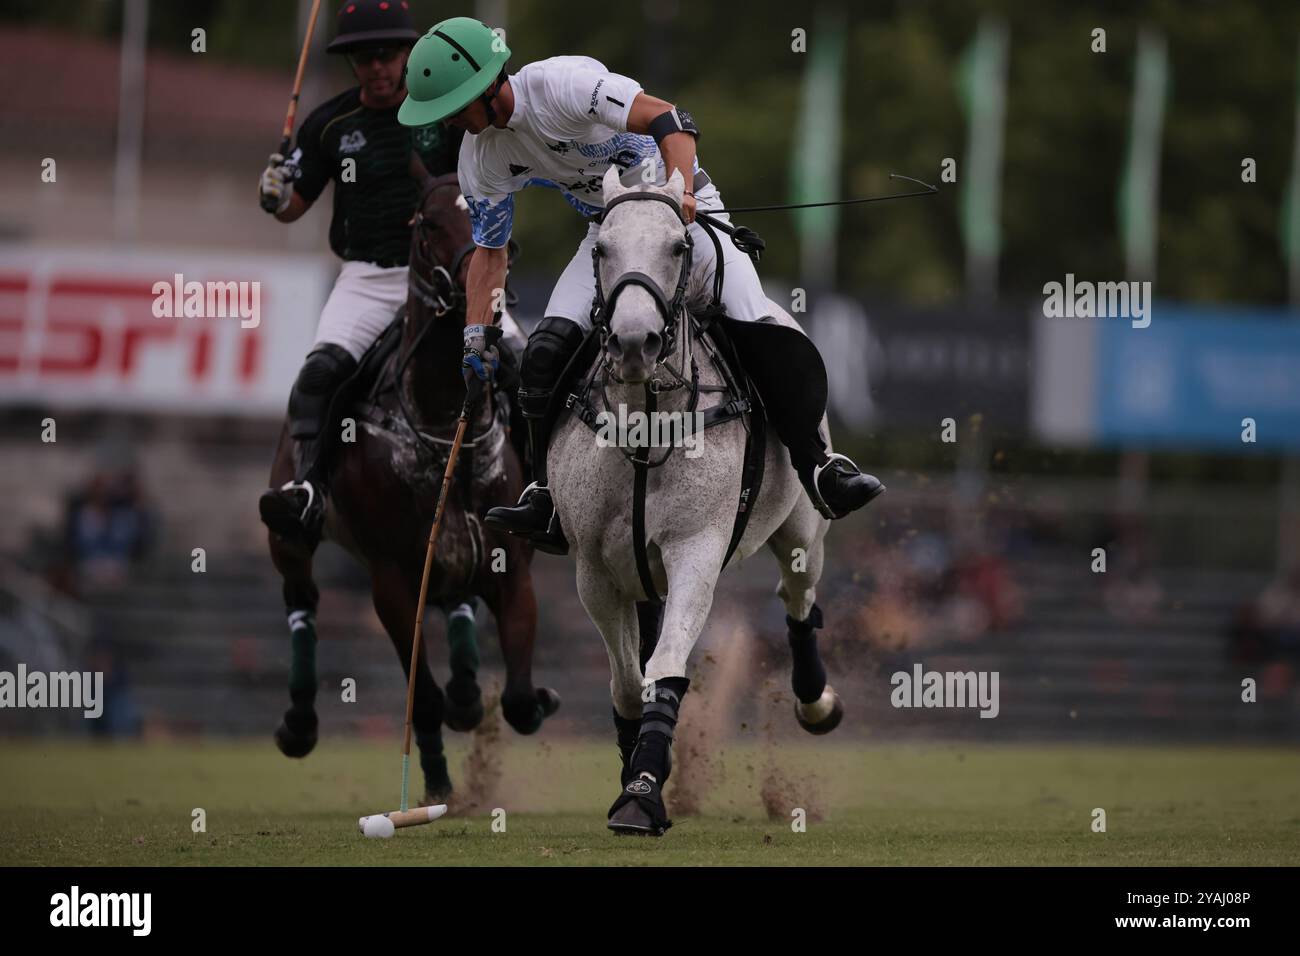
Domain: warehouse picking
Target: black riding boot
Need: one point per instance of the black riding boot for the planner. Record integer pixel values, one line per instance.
(833, 482)
(296, 510)
(550, 348)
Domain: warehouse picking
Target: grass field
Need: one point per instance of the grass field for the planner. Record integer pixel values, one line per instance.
(75, 804)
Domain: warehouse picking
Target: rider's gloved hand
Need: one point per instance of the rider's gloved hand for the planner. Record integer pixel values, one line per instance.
(481, 358)
(275, 188)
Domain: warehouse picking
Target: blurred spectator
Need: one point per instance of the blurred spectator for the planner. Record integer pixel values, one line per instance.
(107, 525)
(1265, 632)
(1132, 592)
(1279, 613)
(919, 592)
(983, 578)
(121, 717)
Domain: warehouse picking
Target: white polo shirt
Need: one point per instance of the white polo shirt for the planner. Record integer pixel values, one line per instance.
(569, 125)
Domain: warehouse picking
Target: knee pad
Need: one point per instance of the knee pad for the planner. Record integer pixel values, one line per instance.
(550, 347)
(325, 369)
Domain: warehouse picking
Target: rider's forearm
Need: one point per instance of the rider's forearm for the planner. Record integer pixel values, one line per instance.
(678, 151)
(487, 274)
(297, 206)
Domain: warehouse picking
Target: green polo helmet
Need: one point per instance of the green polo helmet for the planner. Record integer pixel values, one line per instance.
(450, 67)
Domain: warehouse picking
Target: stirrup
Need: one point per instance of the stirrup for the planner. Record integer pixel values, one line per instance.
(815, 492)
(533, 486)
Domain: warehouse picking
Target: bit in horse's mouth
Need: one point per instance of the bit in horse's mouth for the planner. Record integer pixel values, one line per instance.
(620, 374)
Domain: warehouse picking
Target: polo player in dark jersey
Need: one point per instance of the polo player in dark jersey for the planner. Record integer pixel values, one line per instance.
(355, 141)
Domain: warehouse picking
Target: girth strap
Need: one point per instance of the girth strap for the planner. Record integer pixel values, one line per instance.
(751, 473)
(640, 473)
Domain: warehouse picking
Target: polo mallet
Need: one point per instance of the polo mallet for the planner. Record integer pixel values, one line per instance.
(286, 136)
(406, 817)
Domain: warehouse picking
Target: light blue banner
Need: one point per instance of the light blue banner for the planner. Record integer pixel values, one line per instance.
(1191, 377)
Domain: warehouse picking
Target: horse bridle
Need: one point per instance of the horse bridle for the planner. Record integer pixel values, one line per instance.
(440, 292)
(671, 309)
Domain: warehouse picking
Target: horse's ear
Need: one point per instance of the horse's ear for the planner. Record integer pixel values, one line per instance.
(613, 187)
(676, 186)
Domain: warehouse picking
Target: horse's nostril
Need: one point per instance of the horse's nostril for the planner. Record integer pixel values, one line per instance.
(651, 346)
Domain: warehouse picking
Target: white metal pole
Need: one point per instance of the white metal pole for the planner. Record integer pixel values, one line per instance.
(130, 120)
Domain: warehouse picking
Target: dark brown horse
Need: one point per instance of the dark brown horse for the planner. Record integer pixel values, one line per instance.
(383, 492)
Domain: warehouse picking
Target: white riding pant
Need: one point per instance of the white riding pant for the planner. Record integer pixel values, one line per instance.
(742, 292)
(363, 302)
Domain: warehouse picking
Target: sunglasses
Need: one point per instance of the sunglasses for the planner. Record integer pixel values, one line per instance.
(384, 54)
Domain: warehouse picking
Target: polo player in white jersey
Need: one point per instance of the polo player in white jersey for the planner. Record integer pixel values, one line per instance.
(562, 123)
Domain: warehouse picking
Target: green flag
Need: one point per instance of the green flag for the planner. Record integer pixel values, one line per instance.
(1291, 208)
(815, 165)
(1139, 192)
(982, 83)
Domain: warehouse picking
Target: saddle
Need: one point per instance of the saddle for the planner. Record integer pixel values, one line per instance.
(787, 368)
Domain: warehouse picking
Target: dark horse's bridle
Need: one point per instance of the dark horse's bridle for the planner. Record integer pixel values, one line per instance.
(441, 291)
(435, 286)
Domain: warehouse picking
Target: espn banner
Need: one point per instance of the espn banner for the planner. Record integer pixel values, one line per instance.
(156, 331)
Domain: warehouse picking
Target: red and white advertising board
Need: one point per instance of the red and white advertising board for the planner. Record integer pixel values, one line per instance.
(85, 328)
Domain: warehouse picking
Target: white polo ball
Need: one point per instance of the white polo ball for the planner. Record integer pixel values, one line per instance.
(378, 827)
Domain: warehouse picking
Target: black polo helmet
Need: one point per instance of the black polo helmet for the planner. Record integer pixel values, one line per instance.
(364, 23)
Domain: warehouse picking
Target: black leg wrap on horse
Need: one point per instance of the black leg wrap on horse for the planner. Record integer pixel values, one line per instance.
(653, 753)
(313, 405)
(627, 729)
(433, 763)
(808, 674)
(651, 762)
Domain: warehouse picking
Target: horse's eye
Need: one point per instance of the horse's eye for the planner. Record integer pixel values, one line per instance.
(679, 247)
(598, 250)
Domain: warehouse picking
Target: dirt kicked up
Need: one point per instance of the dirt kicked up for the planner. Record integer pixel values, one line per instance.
(77, 804)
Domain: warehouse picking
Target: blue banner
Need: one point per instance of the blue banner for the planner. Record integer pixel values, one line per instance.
(1192, 377)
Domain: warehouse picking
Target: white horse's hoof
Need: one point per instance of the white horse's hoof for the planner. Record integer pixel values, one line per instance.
(821, 716)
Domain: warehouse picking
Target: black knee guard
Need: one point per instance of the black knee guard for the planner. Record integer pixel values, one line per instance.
(312, 404)
(325, 369)
(550, 347)
(551, 350)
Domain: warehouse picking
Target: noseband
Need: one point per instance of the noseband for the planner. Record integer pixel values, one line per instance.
(603, 304)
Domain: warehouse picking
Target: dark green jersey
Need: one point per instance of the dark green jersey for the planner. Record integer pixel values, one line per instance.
(375, 196)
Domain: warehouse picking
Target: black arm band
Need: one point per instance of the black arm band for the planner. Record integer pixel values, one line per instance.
(675, 120)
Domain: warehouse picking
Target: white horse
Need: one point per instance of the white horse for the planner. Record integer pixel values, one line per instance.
(689, 513)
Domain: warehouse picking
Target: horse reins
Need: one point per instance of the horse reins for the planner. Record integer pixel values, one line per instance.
(440, 301)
